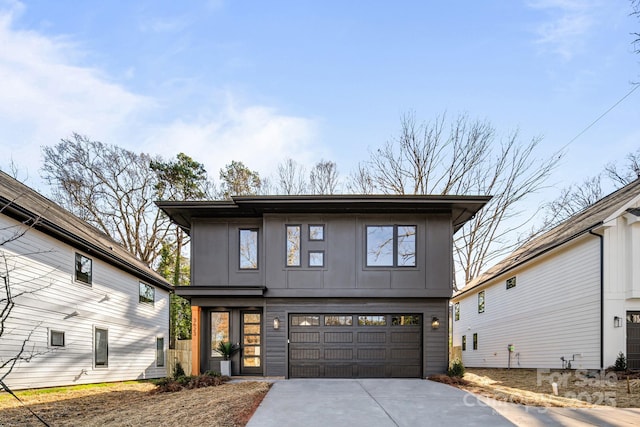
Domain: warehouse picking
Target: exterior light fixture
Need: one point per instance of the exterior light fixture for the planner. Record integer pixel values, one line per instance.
(276, 323)
(617, 322)
(435, 323)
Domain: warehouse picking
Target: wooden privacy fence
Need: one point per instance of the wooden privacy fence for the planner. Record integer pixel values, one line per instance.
(182, 354)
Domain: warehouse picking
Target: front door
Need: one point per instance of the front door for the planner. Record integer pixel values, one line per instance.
(251, 358)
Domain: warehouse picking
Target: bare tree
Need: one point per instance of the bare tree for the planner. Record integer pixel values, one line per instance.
(112, 189)
(323, 178)
(291, 178)
(629, 171)
(635, 11)
(360, 181)
(465, 157)
(237, 179)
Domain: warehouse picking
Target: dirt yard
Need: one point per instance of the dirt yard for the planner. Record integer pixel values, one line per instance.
(131, 404)
(575, 388)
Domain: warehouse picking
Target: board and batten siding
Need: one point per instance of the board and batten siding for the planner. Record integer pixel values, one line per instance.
(47, 297)
(552, 312)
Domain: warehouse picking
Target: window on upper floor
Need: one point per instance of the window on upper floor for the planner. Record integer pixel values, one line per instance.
(101, 347)
(316, 258)
(456, 311)
(248, 250)
(316, 232)
(481, 302)
(147, 293)
(83, 269)
(511, 282)
(391, 245)
(293, 245)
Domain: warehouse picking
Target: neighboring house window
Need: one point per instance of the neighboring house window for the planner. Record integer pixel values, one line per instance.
(147, 293)
(293, 245)
(475, 341)
(56, 338)
(101, 347)
(160, 351)
(219, 331)
(511, 282)
(316, 258)
(316, 232)
(456, 311)
(391, 245)
(83, 269)
(481, 302)
(249, 249)
(464, 343)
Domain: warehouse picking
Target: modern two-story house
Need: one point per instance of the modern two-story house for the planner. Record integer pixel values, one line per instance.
(569, 298)
(323, 286)
(75, 306)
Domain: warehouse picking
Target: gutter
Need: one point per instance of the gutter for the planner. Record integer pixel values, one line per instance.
(601, 297)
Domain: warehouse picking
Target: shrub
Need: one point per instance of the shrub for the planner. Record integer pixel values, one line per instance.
(456, 370)
(621, 363)
(178, 371)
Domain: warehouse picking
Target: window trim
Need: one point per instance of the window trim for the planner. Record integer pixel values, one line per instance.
(475, 341)
(140, 296)
(456, 311)
(481, 301)
(286, 245)
(78, 258)
(251, 230)
(464, 343)
(50, 341)
(95, 348)
(164, 353)
(323, 232)
(395, 252)
(309, 259)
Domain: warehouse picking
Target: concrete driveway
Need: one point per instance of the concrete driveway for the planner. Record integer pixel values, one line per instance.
(371, 402)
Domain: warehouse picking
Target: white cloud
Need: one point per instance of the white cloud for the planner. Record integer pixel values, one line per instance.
(46, 95)
(567, 27)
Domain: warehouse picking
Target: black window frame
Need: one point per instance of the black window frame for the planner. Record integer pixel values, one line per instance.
(481, 301)
(311, 239)
(160, 353)
(286, 245)
(53, 332)
(464, 343)
(511, 282)
(395, 247)
(104, 364)
(142, 299)
(456, 311)
(321, 252)
(257, 261)
(79, 275)
(475, 341)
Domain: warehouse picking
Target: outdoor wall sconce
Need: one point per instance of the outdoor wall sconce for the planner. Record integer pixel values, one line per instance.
(276, 323)
(617, 322)
(435, 323)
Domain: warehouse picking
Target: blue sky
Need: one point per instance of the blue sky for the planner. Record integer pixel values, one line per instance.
(261, 81)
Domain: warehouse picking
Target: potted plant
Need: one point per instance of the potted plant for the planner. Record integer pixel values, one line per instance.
(226, 349)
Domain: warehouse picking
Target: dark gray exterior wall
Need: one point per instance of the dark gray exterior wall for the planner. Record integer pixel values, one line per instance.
(215, 258)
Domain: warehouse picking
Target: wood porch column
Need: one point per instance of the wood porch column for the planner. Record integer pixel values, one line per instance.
(196, 312)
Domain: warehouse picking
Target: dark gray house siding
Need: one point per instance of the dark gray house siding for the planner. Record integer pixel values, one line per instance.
(328, 279)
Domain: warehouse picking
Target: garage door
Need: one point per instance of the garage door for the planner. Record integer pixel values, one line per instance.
(633, 339)
(355, 345)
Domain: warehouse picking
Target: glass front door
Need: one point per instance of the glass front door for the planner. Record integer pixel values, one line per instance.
(251, 343)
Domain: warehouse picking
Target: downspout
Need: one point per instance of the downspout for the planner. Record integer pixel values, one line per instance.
(601, 297)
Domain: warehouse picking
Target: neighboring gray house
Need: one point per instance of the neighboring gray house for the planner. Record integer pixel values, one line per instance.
(323, 286)
(568, 297)
(87, 309)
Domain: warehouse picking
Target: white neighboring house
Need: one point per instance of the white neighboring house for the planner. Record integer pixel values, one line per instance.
(569, 296)
(85, 308)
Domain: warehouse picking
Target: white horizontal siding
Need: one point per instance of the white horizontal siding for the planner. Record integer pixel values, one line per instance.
(553, 311)
(44, 268)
